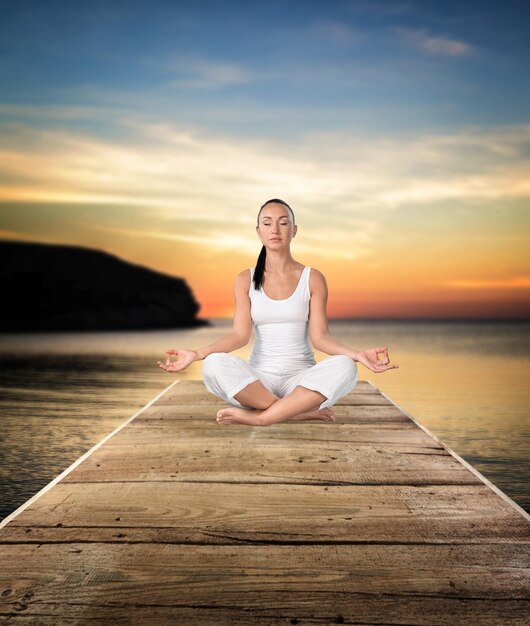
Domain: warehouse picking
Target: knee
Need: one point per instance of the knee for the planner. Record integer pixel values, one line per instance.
(212, 362)
(347, 367)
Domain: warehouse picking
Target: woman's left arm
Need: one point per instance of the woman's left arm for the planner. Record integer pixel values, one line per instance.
(321, 337)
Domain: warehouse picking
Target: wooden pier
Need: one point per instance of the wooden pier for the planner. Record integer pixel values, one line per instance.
(175, 519)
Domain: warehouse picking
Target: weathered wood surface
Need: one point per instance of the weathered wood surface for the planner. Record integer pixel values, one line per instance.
(176, 519)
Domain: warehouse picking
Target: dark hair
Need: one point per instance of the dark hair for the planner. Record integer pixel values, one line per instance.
(260, 263)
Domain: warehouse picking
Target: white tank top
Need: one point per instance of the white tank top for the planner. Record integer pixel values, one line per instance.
(281, 329)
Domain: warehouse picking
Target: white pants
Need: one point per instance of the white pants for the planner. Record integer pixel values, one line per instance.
(226, 374)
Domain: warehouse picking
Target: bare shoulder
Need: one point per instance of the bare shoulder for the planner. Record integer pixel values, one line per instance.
(242, 281)
(317, 280)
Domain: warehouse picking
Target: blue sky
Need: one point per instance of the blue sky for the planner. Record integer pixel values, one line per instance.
(275, 67)
(399, 132)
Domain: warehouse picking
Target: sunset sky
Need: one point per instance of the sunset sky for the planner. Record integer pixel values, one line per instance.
(399, 133)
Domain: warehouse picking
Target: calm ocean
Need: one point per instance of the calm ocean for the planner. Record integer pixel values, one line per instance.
(467, 382)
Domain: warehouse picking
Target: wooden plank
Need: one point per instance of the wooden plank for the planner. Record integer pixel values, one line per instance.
(234, 513)
(326, 463)
(317, 433)
(287, 608)
(361, 584)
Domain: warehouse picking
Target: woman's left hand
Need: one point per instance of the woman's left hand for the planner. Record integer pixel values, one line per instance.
(370, 358)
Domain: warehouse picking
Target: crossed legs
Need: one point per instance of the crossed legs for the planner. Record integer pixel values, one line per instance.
(229, 377)
(300, 404)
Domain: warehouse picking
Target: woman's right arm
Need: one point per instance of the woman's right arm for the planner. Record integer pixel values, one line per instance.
(227, 343)
(239, 337)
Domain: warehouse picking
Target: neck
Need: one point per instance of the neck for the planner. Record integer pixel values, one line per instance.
(278, 262)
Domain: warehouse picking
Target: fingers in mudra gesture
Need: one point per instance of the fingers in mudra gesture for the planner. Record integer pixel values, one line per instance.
(184, 357)
(376, 359)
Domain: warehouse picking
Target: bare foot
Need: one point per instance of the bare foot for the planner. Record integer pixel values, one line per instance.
(325, 415)
(234, 415)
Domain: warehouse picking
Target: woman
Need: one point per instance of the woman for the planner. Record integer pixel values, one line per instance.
(281, 380)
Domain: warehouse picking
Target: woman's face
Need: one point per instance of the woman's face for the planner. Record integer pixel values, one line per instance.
(275, 226)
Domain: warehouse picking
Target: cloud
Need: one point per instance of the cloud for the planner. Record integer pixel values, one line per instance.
(206, 73)
(167, 166)
(177, 177)
(212, 240)
(419, 38)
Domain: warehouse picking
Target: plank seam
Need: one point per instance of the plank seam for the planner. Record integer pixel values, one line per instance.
(58, 478)
(470, 467)
(249, 542)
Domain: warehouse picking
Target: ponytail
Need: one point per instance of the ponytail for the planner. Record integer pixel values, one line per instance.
(260, 268)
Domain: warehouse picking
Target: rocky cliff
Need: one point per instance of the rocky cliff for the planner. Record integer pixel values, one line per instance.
(48, 287)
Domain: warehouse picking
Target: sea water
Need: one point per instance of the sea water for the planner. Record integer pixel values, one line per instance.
(61, 393)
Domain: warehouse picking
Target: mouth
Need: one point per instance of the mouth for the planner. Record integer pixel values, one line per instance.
(275, 239)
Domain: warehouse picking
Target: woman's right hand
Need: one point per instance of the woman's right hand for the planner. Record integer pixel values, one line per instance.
(184, 358)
